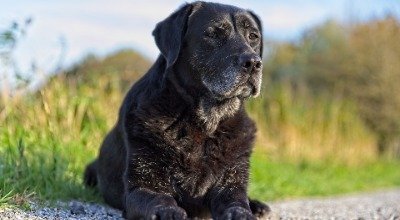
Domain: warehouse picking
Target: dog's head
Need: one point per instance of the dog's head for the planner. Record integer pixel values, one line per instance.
(218, 47)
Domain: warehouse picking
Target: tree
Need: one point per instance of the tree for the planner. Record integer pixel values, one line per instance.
(124, 66)
(10, 75)
(377, 76)
(358, 63)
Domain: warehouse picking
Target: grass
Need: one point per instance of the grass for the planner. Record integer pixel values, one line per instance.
(272, 180)
(297, 126)
(46, 139)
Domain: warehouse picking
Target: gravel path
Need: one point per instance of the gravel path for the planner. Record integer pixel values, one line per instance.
(62, 210)
(377, 205)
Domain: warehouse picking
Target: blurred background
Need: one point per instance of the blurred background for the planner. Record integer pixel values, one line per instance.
(328, 117)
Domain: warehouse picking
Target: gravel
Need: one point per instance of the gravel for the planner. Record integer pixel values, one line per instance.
(376, 205)
(63, 210)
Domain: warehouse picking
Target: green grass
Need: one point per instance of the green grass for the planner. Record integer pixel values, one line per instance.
(53, 174)
(272, 180)
(46, 140)
(45, 170)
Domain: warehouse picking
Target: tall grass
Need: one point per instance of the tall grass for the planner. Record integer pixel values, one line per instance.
(297, 127)
(47, 138)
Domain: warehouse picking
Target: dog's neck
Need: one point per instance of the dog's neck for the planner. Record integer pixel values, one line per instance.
(208, 110)
(211, 112)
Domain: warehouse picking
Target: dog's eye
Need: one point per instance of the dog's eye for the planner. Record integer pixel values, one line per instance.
(253, 36)
(211, 33)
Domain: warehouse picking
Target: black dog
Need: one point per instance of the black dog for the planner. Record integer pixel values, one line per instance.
(182, 142)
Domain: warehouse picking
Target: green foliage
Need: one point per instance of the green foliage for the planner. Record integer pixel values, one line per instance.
(48, 139)
(357, 64)
(298, 126)
(128, 65)
(376, 71)
(50, 136)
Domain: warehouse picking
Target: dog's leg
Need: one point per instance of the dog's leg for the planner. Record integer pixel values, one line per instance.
(148, 192)
(90, 176)
(259, 209)
(145, 204)
(231, 203)
(228, 199)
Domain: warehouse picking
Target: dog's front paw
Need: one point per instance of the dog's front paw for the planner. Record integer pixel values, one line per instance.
(169, 213)
(259, 209)
(237, 213)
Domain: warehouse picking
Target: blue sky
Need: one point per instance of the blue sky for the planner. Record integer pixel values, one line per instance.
(103, 26)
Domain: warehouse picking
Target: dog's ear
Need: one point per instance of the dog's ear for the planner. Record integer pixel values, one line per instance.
(258, 21)
(169, 33)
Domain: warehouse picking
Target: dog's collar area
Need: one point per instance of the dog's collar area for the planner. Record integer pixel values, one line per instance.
(211, 113)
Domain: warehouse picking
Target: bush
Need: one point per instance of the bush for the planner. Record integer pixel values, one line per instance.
(358, 64)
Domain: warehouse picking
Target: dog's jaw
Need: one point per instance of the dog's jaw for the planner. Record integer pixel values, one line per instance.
(211, 112)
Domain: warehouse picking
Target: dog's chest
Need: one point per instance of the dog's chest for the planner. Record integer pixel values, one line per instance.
(201, 160)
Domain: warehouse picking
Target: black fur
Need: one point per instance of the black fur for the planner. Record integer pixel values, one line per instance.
(182, 142)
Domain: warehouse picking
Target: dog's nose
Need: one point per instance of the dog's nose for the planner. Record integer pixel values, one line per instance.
(250, 62)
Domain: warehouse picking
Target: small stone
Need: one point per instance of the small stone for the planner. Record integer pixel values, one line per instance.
(77, 209)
